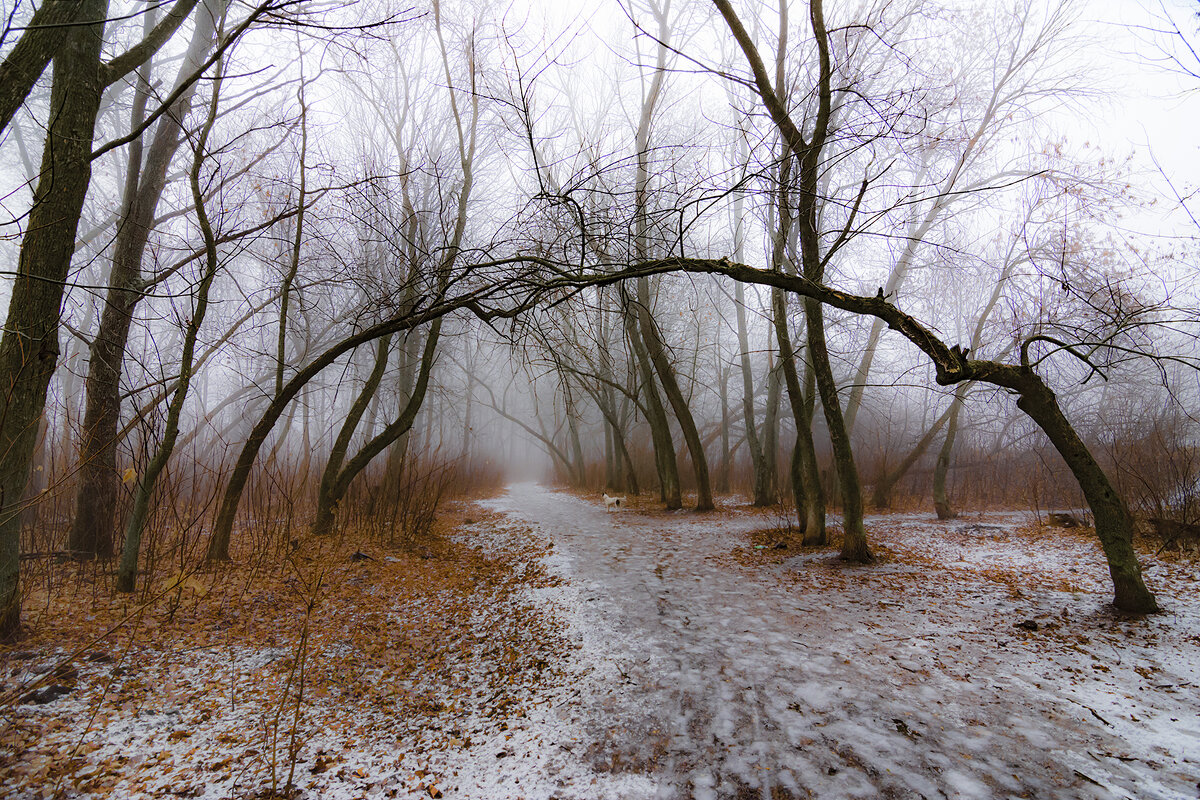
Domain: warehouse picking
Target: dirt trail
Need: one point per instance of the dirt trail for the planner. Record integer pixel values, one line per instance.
(713, 679)
(585, 655)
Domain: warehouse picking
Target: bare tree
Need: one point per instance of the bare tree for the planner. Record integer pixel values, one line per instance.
(30, 56)
(144, 490)
(29, 347)
(96, 498)
(1114, 526)
(808, 152)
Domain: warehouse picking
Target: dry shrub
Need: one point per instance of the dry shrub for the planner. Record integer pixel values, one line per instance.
(400, 507)
(253, 662)
(1157, 468)
(417, 493)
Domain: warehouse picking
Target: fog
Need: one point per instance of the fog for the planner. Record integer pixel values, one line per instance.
(328, 255)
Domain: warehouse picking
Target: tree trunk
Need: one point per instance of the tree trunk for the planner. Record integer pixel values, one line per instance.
(670, 384)
(289, 278)
(579, 465)
(761, 491)
(127, 575)
(806, 483)
(218, 546)
(814, 498)
(807, 491)
(940, 502)
(91, 532)
(809, 152)
(1114, 526)
(326, 504)
(610, 457)
(623, 463)
(644, 343)
(724, 468)
(770, 430)
(468, 430)
(881, 495)
(854, 535)
(656, 417)
(29, 347)
(408, 355)
(27, 60)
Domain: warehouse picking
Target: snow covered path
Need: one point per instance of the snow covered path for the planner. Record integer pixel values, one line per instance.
(714, 679)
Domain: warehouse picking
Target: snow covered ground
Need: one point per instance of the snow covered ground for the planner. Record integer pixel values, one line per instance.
(663, 656)
(905, 679)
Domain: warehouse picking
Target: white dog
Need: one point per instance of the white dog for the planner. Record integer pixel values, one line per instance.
(613, 502)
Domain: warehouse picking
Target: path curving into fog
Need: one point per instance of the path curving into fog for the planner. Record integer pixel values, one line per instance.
(713, 679)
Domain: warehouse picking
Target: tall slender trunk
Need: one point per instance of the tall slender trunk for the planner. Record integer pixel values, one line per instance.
(468, 430)
(623, 463)
(683, 415)
(809, 152)
(807, 492)
(656, 416)
(724, 468)
(854, 535)
(91, 533)
(580, 466)
(806, 483)
(72, 417)
(616, 457)
(326, 504)
(610, 468)
(940, 502)
(646, 342)
(29, 347)
(126, 576)
(289, 278)
(409, 357)
(762, 489)
(770, 428)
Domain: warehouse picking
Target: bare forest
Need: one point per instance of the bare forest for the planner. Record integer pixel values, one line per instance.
(613, 399)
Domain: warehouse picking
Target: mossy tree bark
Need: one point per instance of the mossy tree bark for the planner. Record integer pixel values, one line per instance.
(29, 347)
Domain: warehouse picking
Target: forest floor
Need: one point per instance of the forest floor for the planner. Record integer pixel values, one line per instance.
(543, 648)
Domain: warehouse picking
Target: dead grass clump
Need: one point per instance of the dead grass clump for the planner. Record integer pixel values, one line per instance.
(348, 646)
